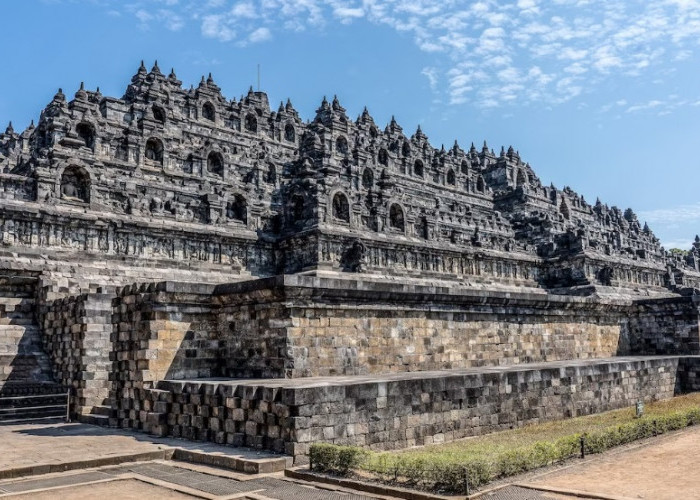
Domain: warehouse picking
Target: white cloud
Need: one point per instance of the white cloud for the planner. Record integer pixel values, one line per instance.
(260, 35)
(483, 51)
(214, 26)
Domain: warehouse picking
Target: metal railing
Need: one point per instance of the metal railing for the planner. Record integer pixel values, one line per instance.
(35, 409)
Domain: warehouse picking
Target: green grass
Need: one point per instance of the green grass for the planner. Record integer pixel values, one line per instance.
(485, 458)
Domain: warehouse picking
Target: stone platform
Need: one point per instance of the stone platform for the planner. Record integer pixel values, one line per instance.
(404, 409)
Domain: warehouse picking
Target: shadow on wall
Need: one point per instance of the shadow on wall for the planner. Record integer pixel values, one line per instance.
(24, 366)
(661, 327)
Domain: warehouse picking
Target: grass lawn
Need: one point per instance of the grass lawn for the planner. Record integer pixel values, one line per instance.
(479, 460)
(493, 445)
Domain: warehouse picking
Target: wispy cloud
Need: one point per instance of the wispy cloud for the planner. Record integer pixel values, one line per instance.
(488, 53)
(685, 215)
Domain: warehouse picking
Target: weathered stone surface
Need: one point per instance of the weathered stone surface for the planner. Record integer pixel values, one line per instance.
(174, 234)
(401, 410)
(168, 178)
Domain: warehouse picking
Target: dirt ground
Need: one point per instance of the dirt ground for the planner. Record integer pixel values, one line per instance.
(128, 489)
(663, 469)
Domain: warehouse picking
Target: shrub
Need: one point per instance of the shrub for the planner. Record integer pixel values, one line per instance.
(446, 467)
(326, 457)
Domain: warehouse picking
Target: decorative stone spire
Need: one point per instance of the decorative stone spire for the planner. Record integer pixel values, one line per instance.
(81, 95)
(156, 70)
(210, 79)
(419, 133)
(281, 108)
(288, 107)
(394, 127)
(503, 152)
(485, 148)
(324, 104)
(9, 130)
(336, 104)
(365, 117)
(141, 74)
(59, 96)
(172, 75)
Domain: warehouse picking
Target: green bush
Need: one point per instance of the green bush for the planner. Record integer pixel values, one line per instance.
(326, 457)
(439, 468)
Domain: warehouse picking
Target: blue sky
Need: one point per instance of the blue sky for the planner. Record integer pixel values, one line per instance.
(599, 95)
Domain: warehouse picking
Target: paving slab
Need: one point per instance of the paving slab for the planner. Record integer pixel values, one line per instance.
(29, 449)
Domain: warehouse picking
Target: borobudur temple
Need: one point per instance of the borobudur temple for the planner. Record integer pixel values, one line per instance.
(205, 268)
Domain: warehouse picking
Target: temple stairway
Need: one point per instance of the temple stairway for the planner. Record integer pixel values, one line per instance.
(27, 388)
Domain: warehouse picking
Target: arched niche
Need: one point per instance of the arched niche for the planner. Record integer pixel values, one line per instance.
(451, 177)
(215, 164)
(237, 209)
(251, 123)
(341, 145)
(383, 157)
(367, 178)
(208, 112)
(154, 150)
(289, 133)
(396, 218)
(418, 168)
(341, 207)
(158, 114)
(86, 133)
(75, 184)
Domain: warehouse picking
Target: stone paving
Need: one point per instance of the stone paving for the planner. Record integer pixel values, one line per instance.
(54, 444)
(182, 480)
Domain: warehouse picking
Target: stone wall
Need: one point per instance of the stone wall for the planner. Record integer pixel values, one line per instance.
(160, 331)
(400, 410)
(76, 335)
(307, 326)
(665, 326)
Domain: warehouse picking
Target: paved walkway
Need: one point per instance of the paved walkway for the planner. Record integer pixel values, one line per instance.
(664, 468)
(48, 446)
(162, 480)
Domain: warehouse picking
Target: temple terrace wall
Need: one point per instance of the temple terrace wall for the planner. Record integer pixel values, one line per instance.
(402, 410)
(76, 334)
(292, 326)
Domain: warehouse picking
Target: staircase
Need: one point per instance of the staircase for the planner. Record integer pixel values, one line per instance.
(27, 388)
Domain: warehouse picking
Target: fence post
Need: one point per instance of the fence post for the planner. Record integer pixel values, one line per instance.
(654, 431)
(311, 461)
(583, 447)
(68, 406)
(466, 482)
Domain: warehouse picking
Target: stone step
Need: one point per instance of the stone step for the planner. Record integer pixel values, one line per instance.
(101, 420)
(101, 410)
(15, 319)
(15, 301)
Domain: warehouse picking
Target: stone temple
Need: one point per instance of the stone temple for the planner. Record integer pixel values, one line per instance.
(206, 268)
